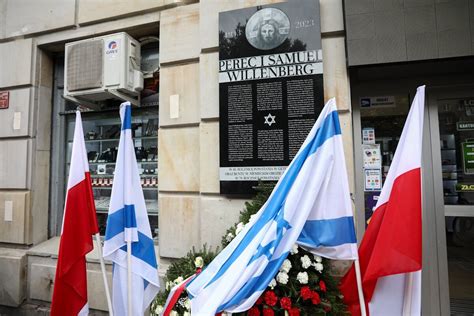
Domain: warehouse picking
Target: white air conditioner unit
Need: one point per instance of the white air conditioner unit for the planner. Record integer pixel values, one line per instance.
(102, 68)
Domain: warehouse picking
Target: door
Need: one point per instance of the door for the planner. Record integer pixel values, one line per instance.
(451, 121)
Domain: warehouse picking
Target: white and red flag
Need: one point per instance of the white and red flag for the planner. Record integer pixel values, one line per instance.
(390, 253)
(79, 224)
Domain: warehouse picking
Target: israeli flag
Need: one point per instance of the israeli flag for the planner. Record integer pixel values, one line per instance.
(310, 205)
(128, 221)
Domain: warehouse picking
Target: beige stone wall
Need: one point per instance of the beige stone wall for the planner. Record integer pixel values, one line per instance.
(192, 211)
(189, 128)
(30, 32)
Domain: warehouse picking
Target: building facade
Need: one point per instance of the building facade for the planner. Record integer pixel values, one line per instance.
(375, 55)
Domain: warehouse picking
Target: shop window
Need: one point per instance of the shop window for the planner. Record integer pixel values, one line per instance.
(382, 120)
(101, 133)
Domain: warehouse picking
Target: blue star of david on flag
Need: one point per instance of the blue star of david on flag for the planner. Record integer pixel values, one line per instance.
(310, 205)
(128, 221)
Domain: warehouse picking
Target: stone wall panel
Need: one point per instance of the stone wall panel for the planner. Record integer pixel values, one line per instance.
(209, 157)
(13, 276)
(14, 164)
(16, 63)
(179, 225)
(27, 17)
(179, 33)
(178, 159)
(181, 81)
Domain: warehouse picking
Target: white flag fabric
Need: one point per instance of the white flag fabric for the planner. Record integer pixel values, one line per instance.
(128, 221)
(310, 203)
(391, 249)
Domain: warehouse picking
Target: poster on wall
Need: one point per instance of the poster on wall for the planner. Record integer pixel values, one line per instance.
(372, 156)
(373, 180)
(468, 156)
(270, 89)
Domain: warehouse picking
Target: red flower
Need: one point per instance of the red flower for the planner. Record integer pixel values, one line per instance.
(254, 312)
(327, 308)
(315, 298)
(259, 301)
(268, 312)
(294, 312)
(306, 293)
(322, 286)
(270, 298)
(285, 303)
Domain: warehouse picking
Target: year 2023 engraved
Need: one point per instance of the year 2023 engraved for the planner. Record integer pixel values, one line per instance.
(304, 23)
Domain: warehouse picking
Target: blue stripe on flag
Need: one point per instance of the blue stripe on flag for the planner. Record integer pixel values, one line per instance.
(127, 120)
(130, 217)
(143, 249)
(329, 128)
(328, 232)
(117, 221)
(256, 284)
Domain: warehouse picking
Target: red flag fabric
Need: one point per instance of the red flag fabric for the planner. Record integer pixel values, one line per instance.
(390, 253)
(79, 224)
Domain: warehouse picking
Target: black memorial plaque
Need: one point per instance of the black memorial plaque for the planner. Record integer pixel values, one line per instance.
(270, 89)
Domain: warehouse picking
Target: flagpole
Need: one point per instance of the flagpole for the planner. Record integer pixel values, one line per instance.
(129, 277)
(407, 300)
(104, 274)
(359, 288)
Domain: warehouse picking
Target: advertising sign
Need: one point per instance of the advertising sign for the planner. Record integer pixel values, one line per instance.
(373, 180)
(468, 157)
(270, 89)
(372, 156)
(4, 99)
(465, 126)
(379, 102)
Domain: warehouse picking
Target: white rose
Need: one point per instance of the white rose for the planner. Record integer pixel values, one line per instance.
(158, 309)
(319, 267)
(239, 228)
(318, 258)
(178, 280)
(198, 262)
(305, 262)
(186, 314)
(282, 278)
(252, 217)
(174, 313)
(229, 237)
(187, 304)
(294, 249)
(286, 266)
(169, 285)
(272, 284)
(302, 277)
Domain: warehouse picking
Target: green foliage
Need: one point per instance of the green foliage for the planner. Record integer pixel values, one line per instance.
(184, 267)
(263, 189)
(329, 302)
(181, 269)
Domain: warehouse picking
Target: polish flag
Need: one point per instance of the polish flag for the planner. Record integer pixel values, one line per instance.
(79, 224)
(390, 253)
(174, 295)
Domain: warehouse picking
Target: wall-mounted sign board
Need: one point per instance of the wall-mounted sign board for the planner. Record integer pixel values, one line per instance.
(270, 89)
(4, 99)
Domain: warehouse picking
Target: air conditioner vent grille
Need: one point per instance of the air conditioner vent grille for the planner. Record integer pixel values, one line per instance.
(84, 65)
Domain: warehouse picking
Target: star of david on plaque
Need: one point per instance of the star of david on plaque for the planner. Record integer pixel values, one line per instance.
(269, 119)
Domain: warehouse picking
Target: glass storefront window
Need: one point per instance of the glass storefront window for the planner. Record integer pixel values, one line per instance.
(102, 133)
(456, 130)
(382, 119)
